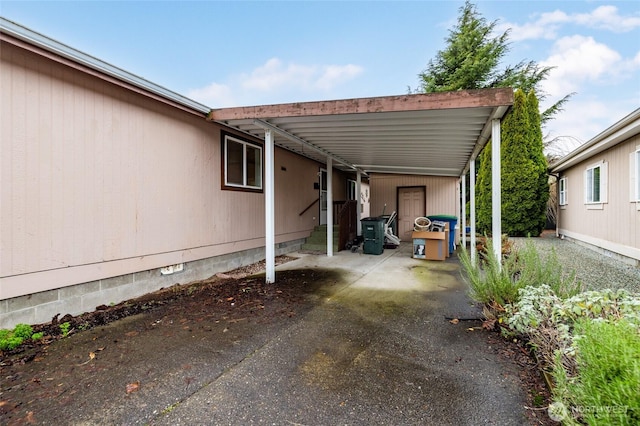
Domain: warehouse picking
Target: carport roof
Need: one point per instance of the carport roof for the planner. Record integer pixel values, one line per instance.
(425, 134)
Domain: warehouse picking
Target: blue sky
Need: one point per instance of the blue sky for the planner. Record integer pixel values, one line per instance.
(251, 53)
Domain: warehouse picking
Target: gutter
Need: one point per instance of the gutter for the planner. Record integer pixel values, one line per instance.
(31, 37)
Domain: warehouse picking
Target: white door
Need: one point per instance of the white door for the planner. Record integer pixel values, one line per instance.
(323, 196)
(411, 204)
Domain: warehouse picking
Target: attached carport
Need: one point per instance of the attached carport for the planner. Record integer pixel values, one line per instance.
(439, 134)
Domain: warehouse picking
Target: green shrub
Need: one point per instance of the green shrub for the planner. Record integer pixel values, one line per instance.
(37, 336)
(547, 321)
(500, 280)
(606, 388)
(65, 327)
(493, 280)
(11, 339)
(23, 330)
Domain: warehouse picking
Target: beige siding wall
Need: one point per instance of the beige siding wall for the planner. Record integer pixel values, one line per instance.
(442, 193)
(615, 227)
(99, 181)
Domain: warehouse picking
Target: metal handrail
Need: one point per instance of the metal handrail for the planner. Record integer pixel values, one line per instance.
(309, 206)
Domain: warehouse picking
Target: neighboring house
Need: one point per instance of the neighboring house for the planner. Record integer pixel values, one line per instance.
(112, 187)
(599, 191)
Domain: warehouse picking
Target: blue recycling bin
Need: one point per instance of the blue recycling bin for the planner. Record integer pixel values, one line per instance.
(453, 222)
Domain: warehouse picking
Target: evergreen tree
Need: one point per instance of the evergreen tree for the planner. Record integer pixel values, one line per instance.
(483, 192)
(519, 177)
(472, 59)
(523, 175)
(536, 153)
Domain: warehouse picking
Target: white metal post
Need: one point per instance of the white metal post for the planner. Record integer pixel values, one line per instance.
(329, 207)
(358, 202)
(472, 207)
(463, 211)
(496, 189)
(269, 207)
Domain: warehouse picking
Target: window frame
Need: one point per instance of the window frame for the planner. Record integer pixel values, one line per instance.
(227, 137)
(589, 196)
(562, 192)
(637, 174)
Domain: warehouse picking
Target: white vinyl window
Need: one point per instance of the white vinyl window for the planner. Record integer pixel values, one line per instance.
(595, 184)
(242, 164)
(562, 187)
(637, 174)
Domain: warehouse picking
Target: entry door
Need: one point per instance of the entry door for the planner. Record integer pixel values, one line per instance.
(323, 196)
(411, 204)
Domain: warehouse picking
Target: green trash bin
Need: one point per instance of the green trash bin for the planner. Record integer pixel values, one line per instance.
(373, 235)
(453, 222)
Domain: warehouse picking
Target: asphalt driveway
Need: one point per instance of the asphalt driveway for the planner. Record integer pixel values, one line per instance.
(378, 351)
(370, 343)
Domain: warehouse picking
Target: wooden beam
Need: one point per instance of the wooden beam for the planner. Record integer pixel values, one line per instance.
(416, 102)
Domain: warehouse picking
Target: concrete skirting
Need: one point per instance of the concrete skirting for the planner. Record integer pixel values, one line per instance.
(74, 300)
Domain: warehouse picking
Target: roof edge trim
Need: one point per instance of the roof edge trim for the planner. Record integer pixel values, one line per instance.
(627, 127)
(34, 38)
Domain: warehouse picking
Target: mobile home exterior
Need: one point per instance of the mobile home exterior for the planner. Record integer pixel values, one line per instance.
(112, 187)
(599, 191)
(106, 179)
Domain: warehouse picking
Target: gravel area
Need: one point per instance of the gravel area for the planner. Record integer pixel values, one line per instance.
(593, 269)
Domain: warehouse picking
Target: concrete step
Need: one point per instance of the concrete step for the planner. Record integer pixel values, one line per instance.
(320, 239)
(323, 228)
(318, 247)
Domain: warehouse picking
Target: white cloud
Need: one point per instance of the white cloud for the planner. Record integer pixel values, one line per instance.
(547, 24)
(272, 81)
(578, 59)
(584, 119)
(333, 75)
(274, 75)
(213, 95)
(607, 18)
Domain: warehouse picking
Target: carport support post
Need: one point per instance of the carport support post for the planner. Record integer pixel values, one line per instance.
(269, 207)
(463, 211)
(329, 207)
(358, 203)
(496, 190)
(472, 207)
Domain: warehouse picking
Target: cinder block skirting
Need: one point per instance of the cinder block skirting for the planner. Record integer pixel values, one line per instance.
(41, 307)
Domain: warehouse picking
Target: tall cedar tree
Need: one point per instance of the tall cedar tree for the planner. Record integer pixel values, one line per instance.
(470, 61)
(483, 192)
(536, 153)
(523, 178)
(472, 58)
(519, 174)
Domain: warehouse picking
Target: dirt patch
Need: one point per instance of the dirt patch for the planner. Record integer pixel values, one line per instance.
(231, 287)
(538, 394)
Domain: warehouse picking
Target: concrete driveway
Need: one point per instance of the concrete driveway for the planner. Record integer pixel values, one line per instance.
(378, 351)
(349, 340)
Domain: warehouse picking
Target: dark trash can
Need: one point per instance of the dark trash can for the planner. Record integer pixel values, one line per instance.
(373, 235)
(453, 222)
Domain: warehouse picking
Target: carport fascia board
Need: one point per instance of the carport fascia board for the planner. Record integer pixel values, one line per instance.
(413, 102)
